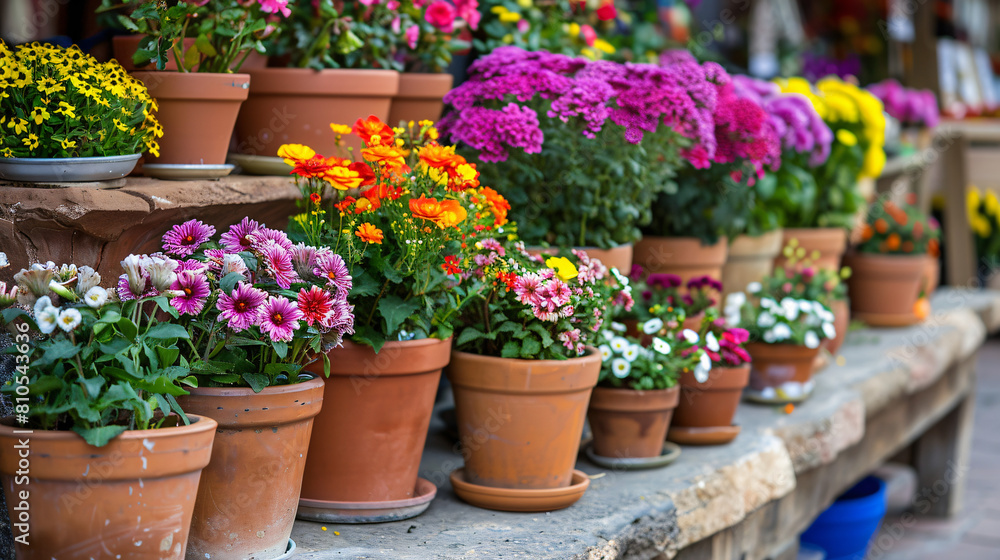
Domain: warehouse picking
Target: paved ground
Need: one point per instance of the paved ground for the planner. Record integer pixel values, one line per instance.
(975, 533)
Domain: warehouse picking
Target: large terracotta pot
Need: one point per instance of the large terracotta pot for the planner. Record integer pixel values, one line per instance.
(123, 48)
(250, 491)
(619, 257)
(932, 275)
(132, 498)
(824, 247)
(684, 256)
(750, 259)
(197, 112)
(297, 106)
(520, 421)
(884, 288)
(419, 98)
(781, 372)
(368, 438)
(628, 423)
(714, 402)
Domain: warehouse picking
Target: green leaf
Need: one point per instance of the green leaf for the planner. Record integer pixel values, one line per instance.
(167, 355)
(229, 282)
(281, 349)
(468, 335)
(60, 349)
(128, 328)
(101, 435)
(395, 310)
(512, 349)
(204, 46)
(530, 347)
(166, 331)
(92, 385)
(257, 381)
(159, 384)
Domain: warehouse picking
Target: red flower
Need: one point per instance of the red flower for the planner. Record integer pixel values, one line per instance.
(315, 304)
(450, 265)
(315, 198)
(343, 204)
(365, 129)
(607, 12)
(441, 14)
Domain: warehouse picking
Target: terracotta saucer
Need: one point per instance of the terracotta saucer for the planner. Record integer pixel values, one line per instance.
(509, 499)
(887, 320)
(715, 435)
(289, 551)
(260, 165)
(369, 512)
(183, 172)
(671, 451)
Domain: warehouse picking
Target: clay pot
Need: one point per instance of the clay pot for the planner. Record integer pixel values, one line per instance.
(419, 98)
(132, 498)
(684, 256)
(520, 421)
(714, 402)
(841, 323)
(297, 105)
(824, 246)
(628, 423)
(775, 365)
(619, 257)
(884, 288)
(932, 275)
(197, 111)
(123, 48)
(250, 491)
(368, 438)
(750, 259)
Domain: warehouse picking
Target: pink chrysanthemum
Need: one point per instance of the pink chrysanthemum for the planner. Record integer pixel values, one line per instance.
(559, 292)
(260, 238)
(237, 239)
(275, 6)
(194, 290)
(278, 262)
(184, 239)
(526, 288)
(315, 304)
(280, 319)
(331, 267)
(242, 308)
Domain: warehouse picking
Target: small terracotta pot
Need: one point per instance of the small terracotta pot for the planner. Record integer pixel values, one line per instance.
(619, 257)
(714, 402)
(884, 288)
(420, 97)
(250, 491)
(932, 275)
(368, 438)
(776, 364)
(628, 423)
(124, 47)
(841, 323)
(684, 256)
(197, 111)
(132, 498)
(750, 259)
(824, 246)
(520, 421)
(297, 105)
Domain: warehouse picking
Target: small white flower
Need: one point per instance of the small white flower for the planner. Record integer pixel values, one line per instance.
(69, 319)
(620, 368)
(608, 335)
(690, 336)
(96, 296)
(631, 353)
(732, 319)
(735, 300)
(605, 352)
(806, 306)
(811, 340)
(652, 326)
(702, 368)
(619, 344)
(618, 327)
(711, 342)
(754, 287)
(767, 303)
(661, 346)
(769, 336)
(829, 330)
(782, 332)
(790, 308)
(765, 320)
(3, 260)
(41, 304)
(47, 319)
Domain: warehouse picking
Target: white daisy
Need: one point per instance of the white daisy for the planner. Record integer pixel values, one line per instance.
(690, 336)
(619, 344)
(41, 304)
(754, 287)
(608, 335)
(736, 299)
(620, 368)
(47, 319)
(765, 320)
(96, 296)
(652, 326)
(711, 342)
(661, 346)
(806, 306)
(782, 332)
(632, 353)
(3, 260)
(767, 303)
(702, 368)
(829, 330)
(790, 308)
(618, 327)
(769, 336)
(811, 340)
(69, 319)
(605, 352)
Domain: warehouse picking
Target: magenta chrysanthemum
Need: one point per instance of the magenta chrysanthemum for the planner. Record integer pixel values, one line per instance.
(237, 239)
(184, 239)
(241, 309)
(194, 291)
(315, 304)
(263, 235)
(331, 267)
(280, 319)
(278, 262)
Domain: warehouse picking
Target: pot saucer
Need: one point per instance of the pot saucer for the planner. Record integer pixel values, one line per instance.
(670, 453)
(369, 512)
(289, 551)
(887, 320)
(184, 172)
(512, 499)
(714, 435)
(260, 165)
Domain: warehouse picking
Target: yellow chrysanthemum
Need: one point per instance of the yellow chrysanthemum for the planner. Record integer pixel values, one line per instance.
(341, 129)
(846, 137)
(874, 161)
(295, 152)
(564, 268)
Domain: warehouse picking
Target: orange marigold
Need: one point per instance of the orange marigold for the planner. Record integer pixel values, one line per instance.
(366, 129)
(866, 232)
(499, 205)
(316, 166)
(369, 233)
(342, 178)
(436, 155)
(444, 213)
(893, 241)
(384, 154)
(881, 225)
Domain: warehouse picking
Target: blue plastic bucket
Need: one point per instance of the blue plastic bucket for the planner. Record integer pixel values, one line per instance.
(846, 528)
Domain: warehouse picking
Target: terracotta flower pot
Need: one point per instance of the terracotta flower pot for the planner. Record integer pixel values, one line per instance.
(420, 97)
(750, 259)
(197, 112)
(132, 498)
(884, 288)
(824, 246)
(368, 438)
(684, 256)
(250, 491)
(619, 257)
(297, 105)
(932, 275)
(628, 423)
(714, 402)
(781, 372)
(123, 48)
(520, 421)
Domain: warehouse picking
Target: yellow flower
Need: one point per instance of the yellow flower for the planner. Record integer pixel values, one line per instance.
(589, 53)
(339, 129)
(604, 46)
(67, 144)
(49, 86)
(508, 39)
(295, 152)
(19, 125)
(846, 137)
(874, 161)
(563, 267)
(510, 17)
(66, 109)
(120, 125)
(992, 203)
(31, 141)
(972, 199)
(498, 10)
(39, 114)
(524, 3)
(574, 29)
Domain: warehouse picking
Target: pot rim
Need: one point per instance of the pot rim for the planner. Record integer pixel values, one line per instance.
(328, 82)
(273, 406)
(622, 399)
(195, 86)
(591, 355)
(196, 426)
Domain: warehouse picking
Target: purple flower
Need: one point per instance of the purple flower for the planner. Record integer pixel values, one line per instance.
(278, 261)
(237, 239)
(911, 107)
(263, 235)
(280, 319)
(194, 290)
(242, 308)
(184, 239)
(304, 258)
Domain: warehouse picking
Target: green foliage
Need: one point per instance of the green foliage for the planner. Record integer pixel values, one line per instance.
(552, 26)
(823, 196)
(626, 363)
(891, 229)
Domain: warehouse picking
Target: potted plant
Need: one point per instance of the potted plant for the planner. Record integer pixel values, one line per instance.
(915, 109)
(60, 123)
(825, 200)
(559, 27)
(983, 210)
(403, 232)
(199, 101)
(714, 183)
(571, 142)
(785, 337)
(522, 374)
(659, 294)
(254, 310)
(95, 392)
(888, 283)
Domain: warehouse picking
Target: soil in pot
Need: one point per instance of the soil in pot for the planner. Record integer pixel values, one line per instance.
(132, 498)
(781, 372)
(420, 98)
(884, 288)
(823, 247)
(627, 423)
(250, 491)
(520, 421)
(684, 256)
(714, 402)
(750, 259)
